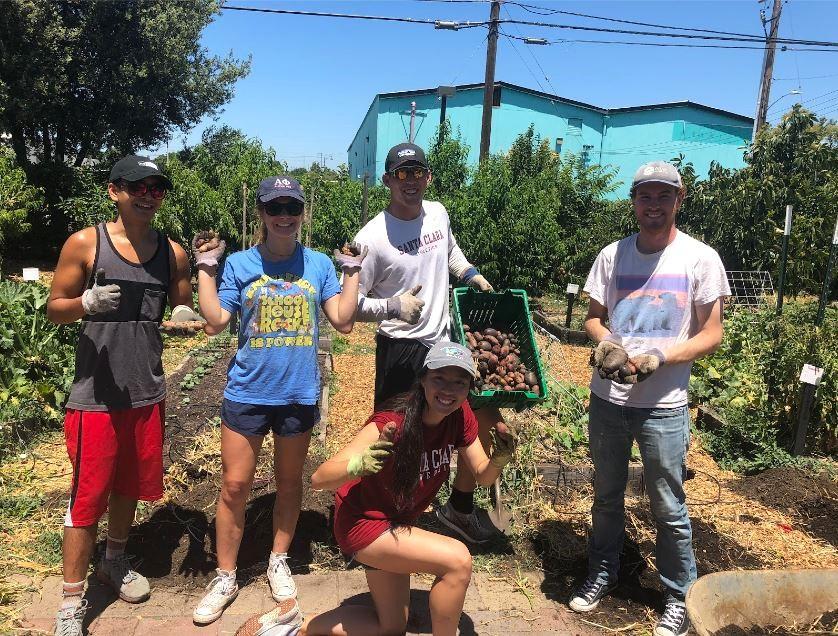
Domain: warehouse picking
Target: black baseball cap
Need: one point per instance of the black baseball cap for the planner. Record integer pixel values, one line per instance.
(134, 168)
(405, 154)
(280, 186)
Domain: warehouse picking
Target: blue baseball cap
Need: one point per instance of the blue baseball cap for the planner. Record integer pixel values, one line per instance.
(280, 186)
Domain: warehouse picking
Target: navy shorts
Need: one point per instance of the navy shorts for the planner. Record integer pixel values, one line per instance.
(257, 419)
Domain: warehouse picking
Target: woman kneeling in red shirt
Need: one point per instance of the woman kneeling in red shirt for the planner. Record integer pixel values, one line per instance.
(386, 477)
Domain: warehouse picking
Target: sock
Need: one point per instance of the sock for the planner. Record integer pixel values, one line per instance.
(462, 502)
(114, 547)
(71, 594)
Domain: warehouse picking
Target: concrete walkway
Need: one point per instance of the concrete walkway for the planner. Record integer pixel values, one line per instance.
(493, 606)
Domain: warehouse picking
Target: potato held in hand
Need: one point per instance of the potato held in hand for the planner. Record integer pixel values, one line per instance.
(388, 433)
(206, 241)
(350, 250)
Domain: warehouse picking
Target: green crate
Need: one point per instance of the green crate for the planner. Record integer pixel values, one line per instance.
(506, 311)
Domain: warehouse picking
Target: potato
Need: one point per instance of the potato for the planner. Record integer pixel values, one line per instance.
(350, 250)
(531, 378)
(490, 332)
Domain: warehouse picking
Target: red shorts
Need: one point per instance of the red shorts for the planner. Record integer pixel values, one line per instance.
(113, 451)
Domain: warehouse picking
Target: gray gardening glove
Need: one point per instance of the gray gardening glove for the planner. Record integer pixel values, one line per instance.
(608, 358)
(207, 248)
(100, 298)
(478, 281)
(406, 307)
(641, 367)
(354, 258)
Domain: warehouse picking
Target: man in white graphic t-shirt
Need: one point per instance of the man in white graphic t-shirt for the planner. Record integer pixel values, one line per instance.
(404, 287)
(655, 307)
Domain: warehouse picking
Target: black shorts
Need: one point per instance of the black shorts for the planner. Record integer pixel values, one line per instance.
(257, 419)
(397, 364)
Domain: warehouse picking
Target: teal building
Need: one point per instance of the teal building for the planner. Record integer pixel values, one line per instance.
(619, 138)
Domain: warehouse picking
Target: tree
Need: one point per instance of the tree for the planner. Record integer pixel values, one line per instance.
(78, 77)
(741, 212)
(17, 200)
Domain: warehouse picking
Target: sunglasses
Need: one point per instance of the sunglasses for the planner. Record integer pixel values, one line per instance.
(402, 173)
(140, 188)
(287, 208)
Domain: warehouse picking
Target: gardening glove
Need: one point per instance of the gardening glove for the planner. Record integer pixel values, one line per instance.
(352, 259)
(503, 447)
(478, 281)
(406, 307)
(371, 460)
(100, 298)
(608, 358)
(641, 367)
(207, 248)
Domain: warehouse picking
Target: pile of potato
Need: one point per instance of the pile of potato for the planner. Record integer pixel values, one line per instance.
(498, 358)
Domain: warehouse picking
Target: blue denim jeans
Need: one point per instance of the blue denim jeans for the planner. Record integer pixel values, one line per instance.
(663, 435)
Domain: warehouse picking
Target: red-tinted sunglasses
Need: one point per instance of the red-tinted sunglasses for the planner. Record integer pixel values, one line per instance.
(140, 188)
(285, 208)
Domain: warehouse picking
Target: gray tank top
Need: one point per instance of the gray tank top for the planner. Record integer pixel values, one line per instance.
(118, 356)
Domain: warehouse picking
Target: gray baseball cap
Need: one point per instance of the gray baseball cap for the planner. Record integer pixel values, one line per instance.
(450, 354)
(657, 172)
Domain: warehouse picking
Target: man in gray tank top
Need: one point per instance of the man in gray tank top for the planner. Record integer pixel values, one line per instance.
(116, 277)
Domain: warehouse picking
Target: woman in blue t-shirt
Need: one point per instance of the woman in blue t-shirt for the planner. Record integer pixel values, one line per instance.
(273, 382)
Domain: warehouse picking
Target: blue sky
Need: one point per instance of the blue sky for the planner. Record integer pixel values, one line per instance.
(313, 78)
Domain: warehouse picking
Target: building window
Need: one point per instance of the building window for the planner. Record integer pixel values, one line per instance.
(574, 126)
(559, 142)
(496, 96)
(586, 154)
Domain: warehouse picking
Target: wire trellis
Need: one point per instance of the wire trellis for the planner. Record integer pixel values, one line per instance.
(753, 289)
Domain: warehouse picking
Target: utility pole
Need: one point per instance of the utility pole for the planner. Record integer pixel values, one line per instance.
(489, 81)
(767, 67)
(244, 215)
(366, 197)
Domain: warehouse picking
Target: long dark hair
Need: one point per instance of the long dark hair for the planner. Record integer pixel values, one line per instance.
(410, 442)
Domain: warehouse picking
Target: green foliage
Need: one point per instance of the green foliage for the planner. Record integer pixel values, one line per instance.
(36, 360)
(532, 219)
(205, 358)
(88, 202)
(18, 200)
(755, 385)
(448, 159)
(741, 213)
(77, 78)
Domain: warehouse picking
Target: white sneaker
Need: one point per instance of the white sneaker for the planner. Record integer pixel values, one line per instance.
(221, 591)
(279, 578)
(284, 620)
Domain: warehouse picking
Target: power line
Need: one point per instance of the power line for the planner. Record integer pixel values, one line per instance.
(352, 16)
(531, 8)
(691, 36)
(670, 44)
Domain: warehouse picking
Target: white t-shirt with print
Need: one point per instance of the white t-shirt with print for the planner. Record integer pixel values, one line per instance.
(403, 254)
(651, 301)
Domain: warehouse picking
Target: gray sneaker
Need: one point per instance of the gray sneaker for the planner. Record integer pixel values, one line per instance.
(117, 573)
(471, 527)
(69, 621)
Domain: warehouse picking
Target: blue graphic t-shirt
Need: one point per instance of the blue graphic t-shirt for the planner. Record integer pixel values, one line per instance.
(278, 301)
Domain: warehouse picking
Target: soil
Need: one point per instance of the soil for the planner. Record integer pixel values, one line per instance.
(780, 518)
(174, 543)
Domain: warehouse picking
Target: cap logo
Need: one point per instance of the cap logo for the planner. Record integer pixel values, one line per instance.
(453, 352)
(650, 170)
(282, 183)
(407, 152)
(148, 164)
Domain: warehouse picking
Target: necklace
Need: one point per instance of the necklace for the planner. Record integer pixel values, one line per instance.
(277, 255)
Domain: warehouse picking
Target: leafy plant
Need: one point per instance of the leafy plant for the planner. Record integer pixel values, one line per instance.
(752, 380)
(36, 359)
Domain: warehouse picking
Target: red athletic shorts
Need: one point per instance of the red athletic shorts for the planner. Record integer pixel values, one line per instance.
(113, 451)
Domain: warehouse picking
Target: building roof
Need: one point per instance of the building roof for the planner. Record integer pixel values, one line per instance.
(558, 98)
(564, 100)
